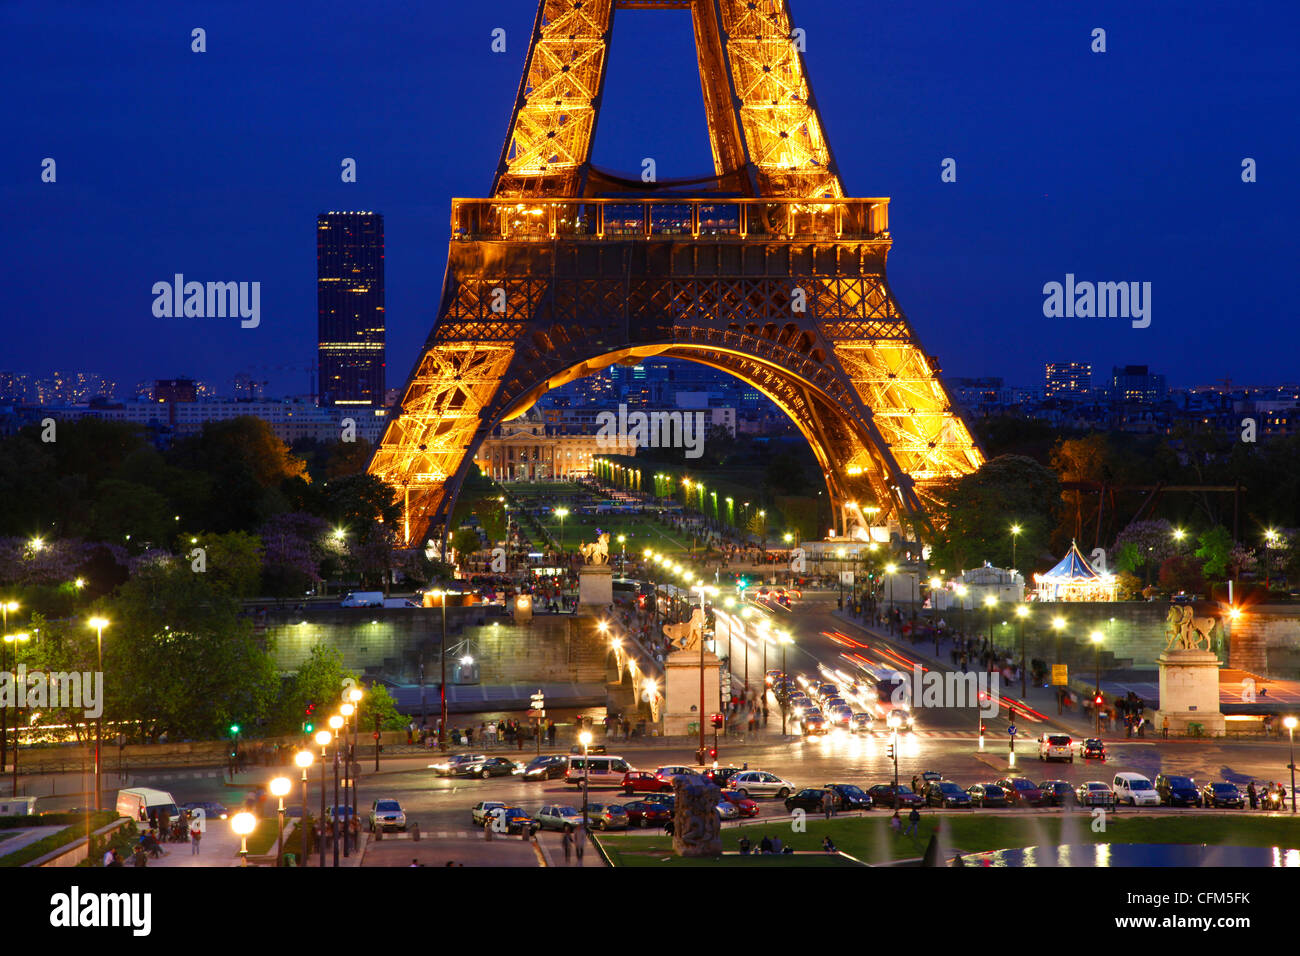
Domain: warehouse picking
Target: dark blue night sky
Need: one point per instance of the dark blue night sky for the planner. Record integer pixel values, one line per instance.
(1119, 166)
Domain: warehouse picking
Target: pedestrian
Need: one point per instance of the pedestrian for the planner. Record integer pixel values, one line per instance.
(895, 823)
(580, 840)
(913, 821)
(776, 845)
(567, 841)
(1252, 795)
(1164, 726)
(828, 846)
(766, 845)
(108, 857)
(744, 845)
(196, 834)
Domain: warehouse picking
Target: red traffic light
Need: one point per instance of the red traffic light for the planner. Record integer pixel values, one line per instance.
(713, 753)
(717, 720)
(1097, 700)
(376, 735)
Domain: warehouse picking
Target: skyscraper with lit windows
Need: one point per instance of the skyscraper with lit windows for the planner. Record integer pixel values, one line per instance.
(350, 308)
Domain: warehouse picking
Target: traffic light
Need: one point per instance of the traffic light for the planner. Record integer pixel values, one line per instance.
(234, 730)
(308, 727)
(717, 720)
(1097, 700)
(889, 751)
(713, 753)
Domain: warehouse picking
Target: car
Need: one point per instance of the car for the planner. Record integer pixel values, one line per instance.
(481, 811)
(987, 795)
(1055, 747)
(760, 783)
(1057, 793)
(607, 816)
(720, 775)
(1021, 791)
(518, 820)
(850, 797)
(559, 817)
(1178, 791)
(827, 691)
(861, 723)
(663, 799)
(211, 809)
(746, 806)
(930, 776)
(387, 815)
(488, 767)
(814, 725)
(945, 793)
(345, 812)
(809, 800)
(1135, 790)
(728, 810)
(1222, 795)
(1093, 749)
(882, 795)
(545, 767)
(643, 781)
(647, 813)
(1094, 793)
(454, 765)
(841, 715)
(669, 773)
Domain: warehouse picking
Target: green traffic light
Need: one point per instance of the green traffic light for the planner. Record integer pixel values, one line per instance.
(234, 729)
(308, 728)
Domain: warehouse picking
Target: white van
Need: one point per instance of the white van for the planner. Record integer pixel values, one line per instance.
(138, 802)
(1135, 790)
(1056, 747)
(605, 770)
(18, 807)
(363, 599)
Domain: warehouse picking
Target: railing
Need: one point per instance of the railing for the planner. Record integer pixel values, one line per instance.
(600, 219)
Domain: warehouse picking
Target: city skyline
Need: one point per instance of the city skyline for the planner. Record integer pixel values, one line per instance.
(1027, 208)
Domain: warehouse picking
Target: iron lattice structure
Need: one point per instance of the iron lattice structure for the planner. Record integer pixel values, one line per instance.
(764, 270)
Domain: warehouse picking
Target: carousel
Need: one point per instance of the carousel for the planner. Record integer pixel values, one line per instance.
(1074, 579)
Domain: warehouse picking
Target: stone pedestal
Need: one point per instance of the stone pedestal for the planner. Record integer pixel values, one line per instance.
(1189, 692)
(682, 691)
(697, 828)
(596, 585)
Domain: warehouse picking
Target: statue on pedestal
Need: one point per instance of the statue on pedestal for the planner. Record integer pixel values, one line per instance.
(687, 635)
(1187, 631)
(597, 552)
(697, 828)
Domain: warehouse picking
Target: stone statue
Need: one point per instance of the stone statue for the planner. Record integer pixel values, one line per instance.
(597, 552)
(687, 635)
(697, 828)
(1187, 631)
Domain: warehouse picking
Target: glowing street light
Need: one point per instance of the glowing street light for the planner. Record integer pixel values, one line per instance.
(99, 623)
(1290, 724)
(561, 513)
(243, 823)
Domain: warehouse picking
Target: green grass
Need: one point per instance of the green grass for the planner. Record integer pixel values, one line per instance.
(58, 839)
(870, 839)
(262, 840)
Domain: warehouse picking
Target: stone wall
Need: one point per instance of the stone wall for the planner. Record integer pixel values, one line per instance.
(1265, 640)
(389, 642)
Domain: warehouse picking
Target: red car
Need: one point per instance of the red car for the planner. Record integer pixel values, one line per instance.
(643, 813)
(643, 781)
(746, 806)
(1021, 792)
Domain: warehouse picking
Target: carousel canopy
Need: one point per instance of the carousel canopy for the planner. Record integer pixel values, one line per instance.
(1073, 567)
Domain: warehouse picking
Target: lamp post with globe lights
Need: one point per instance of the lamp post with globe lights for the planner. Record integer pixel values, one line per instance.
(99, 623)
(346, 710)
(336, 725)
(280, 787)
(243, 824)
(22, 637)
(1290, 724)
(323, 738)
(303, 758)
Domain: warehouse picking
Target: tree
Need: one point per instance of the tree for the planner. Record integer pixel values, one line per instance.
(294, 546)
(1215, 550)
(1153, 542)
(1182, 572)
(234, 560)
(465, 541)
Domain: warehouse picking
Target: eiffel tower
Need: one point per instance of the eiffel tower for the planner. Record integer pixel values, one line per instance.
(764, 270)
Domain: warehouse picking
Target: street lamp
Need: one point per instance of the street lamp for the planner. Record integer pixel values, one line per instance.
(893, 721)
(353, 697)
(889, 570)
(1015, 533)
(785, 639)
(622, 543)
(98, 623)
(349, 785)
(1289, 723)
(1022, 612)
(280, 787)
(1269, 537)
(561, 513)
(442, 685)
(303, 758)
(323, 738)
(839, 573)
(584, 738)
(243, 823)
(14, 639)
(336, 724)
(1097, 637)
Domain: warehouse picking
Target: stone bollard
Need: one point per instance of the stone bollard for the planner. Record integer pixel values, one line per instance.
(415, 832)
(487, 830)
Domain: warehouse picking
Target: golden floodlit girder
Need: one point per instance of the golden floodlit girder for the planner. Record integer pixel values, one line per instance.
(781, 283)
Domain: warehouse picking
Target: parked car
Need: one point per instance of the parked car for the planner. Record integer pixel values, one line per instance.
(607, 771)
(489, 767)
(1224, 795)
(387, 815)
(647, 813)
(644, 781)
(987, 795)
(1055, 747)
(1135, 789)
(519, 820)
(559, 817)
(1021, 792)
(481, 811)
(728, 810)
(809, 800)
(882, 795)
(945, 793)
(1093, 749)
(746, 806)
(454, 765)
(1177, 791)
(721, 775)
(1094, 793)
(851, 797)
(546, 767)
(607, 816)
(1056, 793)
(760, 783)
(670, 773)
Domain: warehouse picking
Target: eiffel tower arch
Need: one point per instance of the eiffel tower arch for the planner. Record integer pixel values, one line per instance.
(765, 270)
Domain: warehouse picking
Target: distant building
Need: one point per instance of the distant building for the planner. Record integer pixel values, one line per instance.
(350, 308)
(1136, 385)
(1068, 380)
(289, 420)
(174, 390)
(529, 449)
